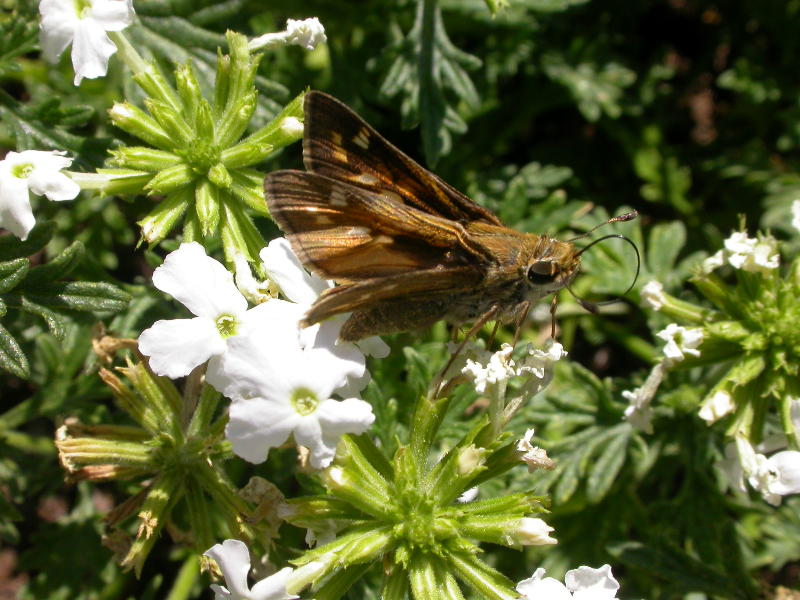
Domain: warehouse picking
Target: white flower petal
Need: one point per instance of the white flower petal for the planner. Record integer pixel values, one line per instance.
(786, 469)
(177, 346)
(717, 406)
(374, 346)
(284, 268)
(652, 295)
(307, 33)
(587, 583)
(56, 186)
(273, 587)
(346, 416)
(112, 15)
(233, 559)
(534, 532)
(91, 49)
(539, 587)
(57, 26)
(15, 206)
(199, 282)
(256, 425)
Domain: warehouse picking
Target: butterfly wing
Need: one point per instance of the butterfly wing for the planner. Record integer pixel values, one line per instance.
(348, 233)
(339, 144)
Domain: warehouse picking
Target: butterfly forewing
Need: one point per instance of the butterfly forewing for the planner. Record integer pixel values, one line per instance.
(349, 233)
(339, 144)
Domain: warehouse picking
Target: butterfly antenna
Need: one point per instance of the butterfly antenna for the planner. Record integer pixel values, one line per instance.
(592, 307)
(629, 216)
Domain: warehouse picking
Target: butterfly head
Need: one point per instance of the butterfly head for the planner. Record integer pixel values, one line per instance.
(553, 267)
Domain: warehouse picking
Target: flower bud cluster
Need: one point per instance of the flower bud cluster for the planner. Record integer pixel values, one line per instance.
(194, 159)
(178, 454)
(415, 518)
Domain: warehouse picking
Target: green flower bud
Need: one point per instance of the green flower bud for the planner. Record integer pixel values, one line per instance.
(143, 158)
(133, 120)
(171, 179)
(163, 218)
(207, 206)
(172, 122)
(219, 176)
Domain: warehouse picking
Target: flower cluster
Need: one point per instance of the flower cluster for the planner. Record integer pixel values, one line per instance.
(753, 334)
(281, 380)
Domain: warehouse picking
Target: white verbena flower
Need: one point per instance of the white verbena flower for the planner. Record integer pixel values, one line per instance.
(302, 289)
(233, 559)
(796, 214)
(773, 477)
(583, 583)
(717, 406)
(176, 346)
(652, 295)
(680, 342)
(534, 456)
(306, 33)
(540, 363)
(499, 367)
(34, 171)
(752, 254)
(279, 390)
(713, 262)
(83, 23)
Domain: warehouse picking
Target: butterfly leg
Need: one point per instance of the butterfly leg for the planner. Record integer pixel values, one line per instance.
(522, 313)
(482, 320)
(553, 306)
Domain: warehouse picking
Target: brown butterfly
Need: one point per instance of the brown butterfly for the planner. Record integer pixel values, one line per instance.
(406, 248)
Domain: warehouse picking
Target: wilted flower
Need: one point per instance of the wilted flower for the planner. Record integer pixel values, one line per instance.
(35, 171)
(84, 25)
(306, 33)
(533, 456)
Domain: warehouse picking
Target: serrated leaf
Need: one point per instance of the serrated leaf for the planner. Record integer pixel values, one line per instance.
(606, 467)
(12, 272)
(12, 358)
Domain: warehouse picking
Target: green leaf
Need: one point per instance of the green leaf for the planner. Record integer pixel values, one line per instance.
(56, 323)
(94, 296)
(12, 358)
(56, 268)
(12, 273)
(422, 67)
(12, 248)
(607, 466)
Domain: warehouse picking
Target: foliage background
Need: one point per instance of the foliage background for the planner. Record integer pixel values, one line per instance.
(553, 113)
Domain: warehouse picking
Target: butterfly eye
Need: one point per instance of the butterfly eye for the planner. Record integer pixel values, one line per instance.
(542, 272)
